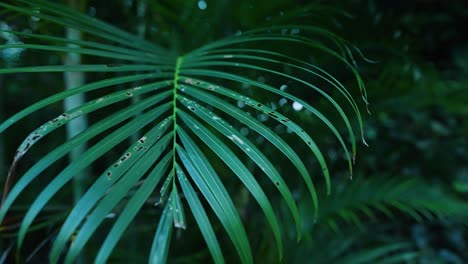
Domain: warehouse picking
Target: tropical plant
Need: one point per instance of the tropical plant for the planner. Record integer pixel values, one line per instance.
(200, 128)
(190, 112)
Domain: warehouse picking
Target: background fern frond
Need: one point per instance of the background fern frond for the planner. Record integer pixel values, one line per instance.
(357, 204)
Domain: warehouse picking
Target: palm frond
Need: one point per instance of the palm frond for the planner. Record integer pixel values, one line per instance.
(347, 250)
(186, 113)
(358, 203)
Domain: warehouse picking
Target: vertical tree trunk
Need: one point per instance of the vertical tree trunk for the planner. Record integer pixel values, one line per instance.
(141, 12)
(73, 80)
(141, 31)
(133, 243)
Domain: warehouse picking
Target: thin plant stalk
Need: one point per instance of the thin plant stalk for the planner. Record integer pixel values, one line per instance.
(141, 31)
(72, 80)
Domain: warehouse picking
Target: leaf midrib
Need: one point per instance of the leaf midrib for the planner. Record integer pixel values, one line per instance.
(179, 61)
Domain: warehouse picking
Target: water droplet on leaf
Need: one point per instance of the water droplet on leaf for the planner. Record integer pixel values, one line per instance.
(297, 106)
(202, 5)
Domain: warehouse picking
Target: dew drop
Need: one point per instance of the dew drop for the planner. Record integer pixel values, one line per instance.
(189, 81)
(262, 117)
(111, 215)
(283, 87)
(297, 106)
(236, 138)
(202, 5)
(282, 101)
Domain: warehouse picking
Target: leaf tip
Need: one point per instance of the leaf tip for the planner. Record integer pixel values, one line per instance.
(364, 142)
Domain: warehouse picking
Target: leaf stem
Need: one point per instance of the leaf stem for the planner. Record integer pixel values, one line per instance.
(174, 114)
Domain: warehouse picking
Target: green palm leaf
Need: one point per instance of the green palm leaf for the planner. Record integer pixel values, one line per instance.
(413, 197)
(186, 112)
